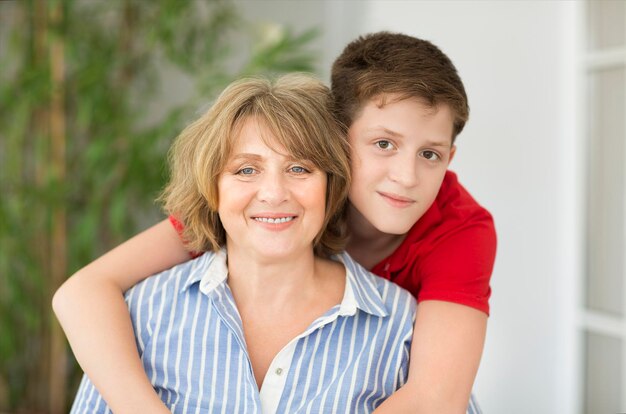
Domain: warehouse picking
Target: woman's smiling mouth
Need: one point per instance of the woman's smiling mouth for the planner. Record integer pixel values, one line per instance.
(274, 220)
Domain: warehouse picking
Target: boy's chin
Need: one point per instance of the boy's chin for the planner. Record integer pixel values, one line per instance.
(395, 227)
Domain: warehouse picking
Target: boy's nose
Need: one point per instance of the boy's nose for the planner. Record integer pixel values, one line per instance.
(404, 171)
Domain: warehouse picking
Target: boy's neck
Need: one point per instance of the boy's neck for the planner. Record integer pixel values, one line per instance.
(368, 245)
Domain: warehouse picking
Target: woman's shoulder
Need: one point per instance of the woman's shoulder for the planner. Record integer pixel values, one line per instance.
(179, 276)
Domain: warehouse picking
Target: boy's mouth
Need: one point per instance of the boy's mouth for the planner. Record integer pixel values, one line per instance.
(396, 200)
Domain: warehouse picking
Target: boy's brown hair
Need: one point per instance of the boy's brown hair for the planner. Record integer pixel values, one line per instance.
(385, 63)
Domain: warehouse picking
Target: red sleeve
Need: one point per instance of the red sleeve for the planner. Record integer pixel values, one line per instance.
(179, 227)
(458, 266)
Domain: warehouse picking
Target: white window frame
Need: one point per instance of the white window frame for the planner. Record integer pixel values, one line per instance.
(589, 320)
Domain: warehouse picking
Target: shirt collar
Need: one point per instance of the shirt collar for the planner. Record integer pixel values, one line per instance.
(361, 292)
(209, 270)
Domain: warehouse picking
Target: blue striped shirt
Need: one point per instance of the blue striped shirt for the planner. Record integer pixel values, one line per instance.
(190, 338)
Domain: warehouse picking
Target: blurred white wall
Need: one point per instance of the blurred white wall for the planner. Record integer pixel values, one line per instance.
(518, 156)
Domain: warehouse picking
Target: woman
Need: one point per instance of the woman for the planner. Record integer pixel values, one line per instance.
(260, 182)
(265, 321)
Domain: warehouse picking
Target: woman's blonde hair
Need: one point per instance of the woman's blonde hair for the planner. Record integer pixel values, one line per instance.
(296, 109)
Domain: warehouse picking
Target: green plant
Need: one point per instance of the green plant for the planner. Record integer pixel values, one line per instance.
(82, 156)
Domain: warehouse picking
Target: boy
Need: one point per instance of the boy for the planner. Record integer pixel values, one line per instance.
(410, 220)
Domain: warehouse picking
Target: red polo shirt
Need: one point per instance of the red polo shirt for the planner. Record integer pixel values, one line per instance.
(447, 255)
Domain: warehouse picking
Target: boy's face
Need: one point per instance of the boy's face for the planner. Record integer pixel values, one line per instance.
(400, 153)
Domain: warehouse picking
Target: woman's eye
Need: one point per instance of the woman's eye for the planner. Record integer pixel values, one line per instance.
(246, 171)
(384, 144)
(298, 169)
(431, 155)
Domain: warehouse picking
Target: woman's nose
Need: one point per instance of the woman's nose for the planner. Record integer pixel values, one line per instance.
(273, 188)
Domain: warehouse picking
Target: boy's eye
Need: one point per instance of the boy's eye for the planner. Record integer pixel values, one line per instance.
(431, 155)
(384, 144)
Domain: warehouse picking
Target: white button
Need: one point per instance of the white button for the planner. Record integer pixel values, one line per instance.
(278, 371)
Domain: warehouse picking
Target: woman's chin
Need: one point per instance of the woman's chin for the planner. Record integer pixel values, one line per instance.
(276, 252)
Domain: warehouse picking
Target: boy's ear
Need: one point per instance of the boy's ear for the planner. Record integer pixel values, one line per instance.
(452, 152)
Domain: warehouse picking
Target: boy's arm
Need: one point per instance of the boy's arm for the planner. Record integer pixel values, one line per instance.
(445, 354)
(91, 309)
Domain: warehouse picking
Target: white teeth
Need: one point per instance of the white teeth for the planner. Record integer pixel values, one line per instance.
(274, 220)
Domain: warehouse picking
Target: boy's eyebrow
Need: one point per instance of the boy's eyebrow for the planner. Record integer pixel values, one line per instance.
(386, 131)
(394, 134)
(437, 144)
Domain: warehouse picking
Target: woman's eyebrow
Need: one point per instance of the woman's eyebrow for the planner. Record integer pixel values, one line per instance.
(292, 158)
(246, 156)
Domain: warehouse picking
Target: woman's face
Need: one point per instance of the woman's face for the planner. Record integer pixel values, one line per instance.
(270, 204)
(400, 153)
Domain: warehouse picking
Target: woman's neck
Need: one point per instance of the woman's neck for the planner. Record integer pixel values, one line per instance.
(278, 299)
(282, 284)
(368, 245)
